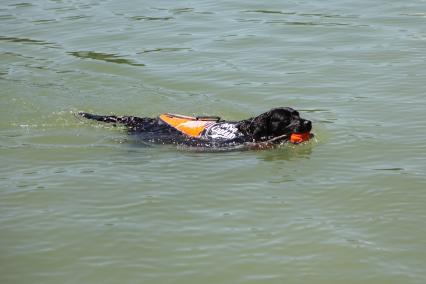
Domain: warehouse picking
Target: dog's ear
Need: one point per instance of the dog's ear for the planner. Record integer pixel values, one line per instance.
(260, 126)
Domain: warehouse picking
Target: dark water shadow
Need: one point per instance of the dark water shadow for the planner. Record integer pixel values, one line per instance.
(165, 49)
(21, 5)
(261, 11)
(390, 169)
(316, 15)
(77, 17)
(106, 57)
(305, 19)
(146, 18)
(20, 55)
(332, 16)
(178, 11)
(7, 17)
(27, 41)
(44, 21)
(305, 23)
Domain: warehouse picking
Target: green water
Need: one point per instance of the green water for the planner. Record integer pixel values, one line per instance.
(80, 203)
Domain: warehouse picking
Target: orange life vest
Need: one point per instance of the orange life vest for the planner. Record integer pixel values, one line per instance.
(188, 125)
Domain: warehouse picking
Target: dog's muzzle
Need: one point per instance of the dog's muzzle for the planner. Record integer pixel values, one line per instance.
(299, 137)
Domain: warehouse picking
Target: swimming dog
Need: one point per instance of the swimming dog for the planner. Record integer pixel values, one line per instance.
(273, 127)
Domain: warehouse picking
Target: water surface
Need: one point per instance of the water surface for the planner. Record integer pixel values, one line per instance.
(80, 203)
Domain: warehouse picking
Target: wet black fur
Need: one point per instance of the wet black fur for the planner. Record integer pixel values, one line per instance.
(274, 123)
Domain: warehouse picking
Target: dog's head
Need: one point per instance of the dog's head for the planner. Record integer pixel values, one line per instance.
(276, 122)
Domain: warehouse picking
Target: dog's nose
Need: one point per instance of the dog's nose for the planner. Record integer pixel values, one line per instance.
(308, 124)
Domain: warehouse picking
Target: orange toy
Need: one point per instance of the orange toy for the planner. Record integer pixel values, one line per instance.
(300, 137)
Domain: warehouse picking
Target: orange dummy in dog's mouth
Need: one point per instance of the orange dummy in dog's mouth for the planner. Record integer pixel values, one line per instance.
(297, 138)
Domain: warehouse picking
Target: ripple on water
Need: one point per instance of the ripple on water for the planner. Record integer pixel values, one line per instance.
(27, 41)
(106, 57)
(147, 18)
(21, 5)
(165, 49)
